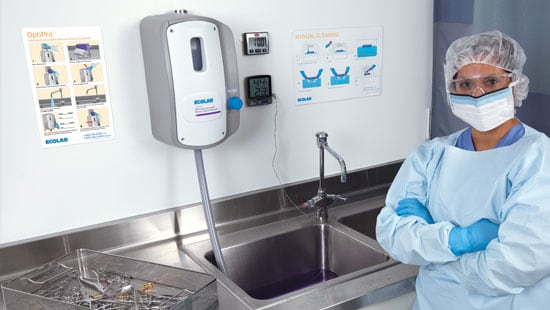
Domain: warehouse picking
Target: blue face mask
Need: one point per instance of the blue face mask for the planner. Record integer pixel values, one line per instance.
(486, 112)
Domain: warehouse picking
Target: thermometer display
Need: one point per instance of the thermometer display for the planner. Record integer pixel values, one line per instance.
(259, 90)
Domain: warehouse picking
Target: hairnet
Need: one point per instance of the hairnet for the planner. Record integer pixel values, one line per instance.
(493, 48)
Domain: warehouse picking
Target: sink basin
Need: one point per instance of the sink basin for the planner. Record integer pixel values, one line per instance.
(363, 222)
(294, 263)
(287, 261)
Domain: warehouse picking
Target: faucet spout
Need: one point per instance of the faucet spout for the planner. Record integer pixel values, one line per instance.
(60, 91)
(323, 145)
(343, 171)
(92, 88)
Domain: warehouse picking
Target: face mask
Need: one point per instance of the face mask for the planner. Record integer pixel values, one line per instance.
(486, 112)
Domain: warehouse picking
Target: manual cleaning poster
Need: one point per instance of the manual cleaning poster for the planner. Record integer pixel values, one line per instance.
(69, 84)
(336, 64)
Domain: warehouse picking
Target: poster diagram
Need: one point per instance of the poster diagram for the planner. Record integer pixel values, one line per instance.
(69, 81)
(337, 64)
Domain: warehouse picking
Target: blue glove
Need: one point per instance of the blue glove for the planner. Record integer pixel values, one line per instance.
(413, 207)
(472, 238)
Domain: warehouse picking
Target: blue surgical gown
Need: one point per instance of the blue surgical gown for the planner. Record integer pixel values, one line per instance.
(509, 185)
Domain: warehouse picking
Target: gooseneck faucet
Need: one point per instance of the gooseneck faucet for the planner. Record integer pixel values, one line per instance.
(60, 91)
(52, 101)
(322, 200)
(92, 88)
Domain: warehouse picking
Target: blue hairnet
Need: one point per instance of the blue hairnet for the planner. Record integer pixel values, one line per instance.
(493, 48)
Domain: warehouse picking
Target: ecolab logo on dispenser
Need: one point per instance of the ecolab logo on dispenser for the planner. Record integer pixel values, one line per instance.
(204, 101)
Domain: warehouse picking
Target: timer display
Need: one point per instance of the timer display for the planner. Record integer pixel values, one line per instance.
(256, 43)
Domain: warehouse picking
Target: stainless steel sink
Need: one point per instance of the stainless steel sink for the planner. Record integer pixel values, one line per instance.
(363, 222)
(296, 259)
(290, 259)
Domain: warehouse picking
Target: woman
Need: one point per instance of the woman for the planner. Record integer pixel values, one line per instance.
(473, 209)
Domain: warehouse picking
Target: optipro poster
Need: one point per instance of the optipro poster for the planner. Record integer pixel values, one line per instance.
(69, 84)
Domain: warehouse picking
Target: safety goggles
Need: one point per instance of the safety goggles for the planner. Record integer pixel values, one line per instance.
(479, 85)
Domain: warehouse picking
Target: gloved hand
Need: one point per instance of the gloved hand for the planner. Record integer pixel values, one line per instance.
(413, 207)
(472, 238)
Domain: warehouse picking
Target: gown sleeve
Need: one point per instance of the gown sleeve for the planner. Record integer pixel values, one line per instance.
(410, 239)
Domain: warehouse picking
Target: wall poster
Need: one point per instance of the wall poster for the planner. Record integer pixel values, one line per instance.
(336, 64)
(69, 83)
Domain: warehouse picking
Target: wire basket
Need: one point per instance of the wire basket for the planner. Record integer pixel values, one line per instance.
(86, 279)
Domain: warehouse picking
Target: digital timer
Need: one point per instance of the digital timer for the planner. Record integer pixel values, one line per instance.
(258, 90)
(256, 43)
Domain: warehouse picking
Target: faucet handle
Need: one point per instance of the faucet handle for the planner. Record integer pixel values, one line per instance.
(322, 201)
(336, 197)
(312, 203)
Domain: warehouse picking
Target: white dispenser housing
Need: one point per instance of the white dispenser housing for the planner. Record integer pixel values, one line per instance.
(192, 79)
